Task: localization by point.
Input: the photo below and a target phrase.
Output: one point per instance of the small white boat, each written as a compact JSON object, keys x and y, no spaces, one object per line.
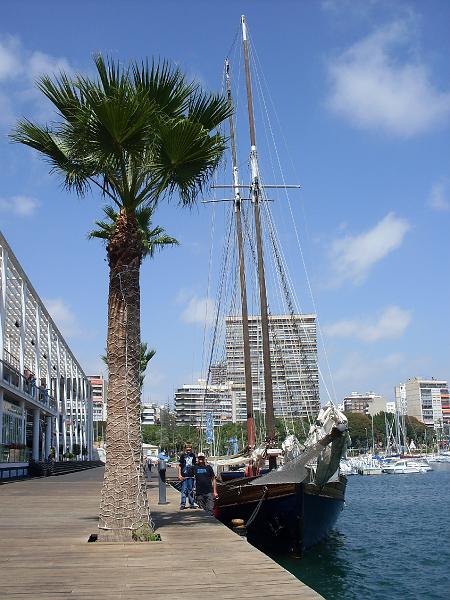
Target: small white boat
{"x":403,"y":467}
{"x":421,"y":463}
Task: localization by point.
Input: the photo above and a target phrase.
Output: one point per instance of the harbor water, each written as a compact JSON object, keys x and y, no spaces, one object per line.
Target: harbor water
{"x":391,"y":541}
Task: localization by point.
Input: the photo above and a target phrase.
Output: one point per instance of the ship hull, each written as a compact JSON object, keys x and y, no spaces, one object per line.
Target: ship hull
{"x":290,"y":518}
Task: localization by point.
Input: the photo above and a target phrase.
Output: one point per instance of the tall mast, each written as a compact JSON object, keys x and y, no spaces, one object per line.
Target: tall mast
{"x":244,"y":309}
{"x":255,"y":191}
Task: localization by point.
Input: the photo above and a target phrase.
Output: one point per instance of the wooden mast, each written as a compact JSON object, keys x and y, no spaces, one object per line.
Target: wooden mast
{"x":244,"y":310}
{"x":255,"y":191}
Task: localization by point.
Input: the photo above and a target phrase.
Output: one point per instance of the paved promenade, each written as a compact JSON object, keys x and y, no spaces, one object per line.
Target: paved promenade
{"x":44,"y":554}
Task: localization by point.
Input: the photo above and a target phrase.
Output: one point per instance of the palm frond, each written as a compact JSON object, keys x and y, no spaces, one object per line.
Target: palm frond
{"x":208,"y":109}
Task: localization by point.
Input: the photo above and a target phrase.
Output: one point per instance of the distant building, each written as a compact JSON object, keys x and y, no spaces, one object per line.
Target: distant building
{"x":218,"y":373}
{"x":99,"y":396}
{"x":148,"y":414}
{"x":99,"y":387}
{"x":428,"y":401}
{"x":295,"y":375}
{"x":400,"y":399}
{"x":369,"y":403}
{"x":194,"y":401}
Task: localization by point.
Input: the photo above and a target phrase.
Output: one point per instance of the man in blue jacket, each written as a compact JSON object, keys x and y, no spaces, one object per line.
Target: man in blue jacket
{"x":186,"y":476}
{"x":205,"y":484}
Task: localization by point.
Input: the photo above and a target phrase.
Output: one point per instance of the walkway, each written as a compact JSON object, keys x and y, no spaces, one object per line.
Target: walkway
{"x":44,"y":554}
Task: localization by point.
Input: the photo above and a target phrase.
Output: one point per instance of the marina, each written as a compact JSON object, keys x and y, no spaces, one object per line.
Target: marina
{"x":389,"y":542}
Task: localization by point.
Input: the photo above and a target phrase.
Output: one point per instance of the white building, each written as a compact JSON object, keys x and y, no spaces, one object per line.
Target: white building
{"x":148,"y":414}
{"x":99,"y":387}
{"x":194,"y":401}
{"x":368,"y":403}
{"x":295,"y":375}
{"x":428,"y":401}
{"x":400,"y":399}
{"x":45,"y":397}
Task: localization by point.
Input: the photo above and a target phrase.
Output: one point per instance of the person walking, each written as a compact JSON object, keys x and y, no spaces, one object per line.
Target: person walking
{"x":205,"y":484}
{"x":186,"y":476}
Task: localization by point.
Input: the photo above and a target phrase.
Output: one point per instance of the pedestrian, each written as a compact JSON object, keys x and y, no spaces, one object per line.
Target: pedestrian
{"x":205,"y":484}
{"x":186,"y":476}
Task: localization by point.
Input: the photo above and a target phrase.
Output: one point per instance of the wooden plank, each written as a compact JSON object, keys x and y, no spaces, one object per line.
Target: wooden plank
{"x":44,"y":554}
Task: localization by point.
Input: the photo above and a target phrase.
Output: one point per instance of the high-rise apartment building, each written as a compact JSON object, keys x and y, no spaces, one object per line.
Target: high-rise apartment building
{"x":295,"y":376}
{"x":428,"y":401}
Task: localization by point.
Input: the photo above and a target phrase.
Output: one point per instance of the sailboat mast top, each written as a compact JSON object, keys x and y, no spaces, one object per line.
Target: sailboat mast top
{"x":248,"y":80}
{"x":251,"y":435}
{"x":268,"y":386}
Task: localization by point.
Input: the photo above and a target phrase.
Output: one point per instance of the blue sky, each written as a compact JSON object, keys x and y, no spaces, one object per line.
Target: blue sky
{"x":362,"y":97}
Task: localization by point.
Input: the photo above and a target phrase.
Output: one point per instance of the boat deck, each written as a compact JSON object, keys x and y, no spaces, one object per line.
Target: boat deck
{"x":44,"y":554}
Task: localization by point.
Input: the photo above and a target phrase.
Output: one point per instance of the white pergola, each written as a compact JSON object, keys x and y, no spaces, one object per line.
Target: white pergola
{"x":38,"y":371}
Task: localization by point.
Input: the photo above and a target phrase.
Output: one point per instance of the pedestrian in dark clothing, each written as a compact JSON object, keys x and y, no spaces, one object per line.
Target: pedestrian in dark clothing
{"x":205,"y":484}
{"x":186,"y":476}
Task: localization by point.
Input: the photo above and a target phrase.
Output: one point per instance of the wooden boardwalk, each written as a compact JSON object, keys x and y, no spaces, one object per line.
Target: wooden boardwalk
{"x":44,"y":554}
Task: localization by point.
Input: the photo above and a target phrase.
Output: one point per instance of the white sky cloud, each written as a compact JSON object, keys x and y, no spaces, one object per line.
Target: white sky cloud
{"x":10,"y":63}
{"x":374,"y":89}
{"x":363,"y":373}
{"x":353,"y":256}
{"x":439,"y":198}
{"x":199,"y":310}
{"x":21,"y":206}
{"x":64,"y":317}
{"x":19,"y":69}
{"x":390,"y":324}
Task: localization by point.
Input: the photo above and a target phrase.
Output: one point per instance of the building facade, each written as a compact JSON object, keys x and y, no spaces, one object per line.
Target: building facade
{"x":368,"y":403}
{"x":45,"y":397}
{"x":99,"y":387}
{"x":400,"y":399}
{"x":428,"y":401}
{"x":194,"y":401}
{"x":295,"y":374}
{"x":148,"y":414}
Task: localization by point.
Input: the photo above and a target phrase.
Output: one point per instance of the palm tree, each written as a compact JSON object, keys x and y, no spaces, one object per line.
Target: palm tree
{"x":145,"y":356}
{"x":137,"y":134}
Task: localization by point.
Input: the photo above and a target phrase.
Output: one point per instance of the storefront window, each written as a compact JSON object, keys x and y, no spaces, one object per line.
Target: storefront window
{"x":12,"y":425}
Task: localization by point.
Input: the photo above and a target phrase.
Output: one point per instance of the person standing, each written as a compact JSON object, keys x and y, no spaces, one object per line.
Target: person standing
{"x":186,"y":476}
{"x":205,"y":484}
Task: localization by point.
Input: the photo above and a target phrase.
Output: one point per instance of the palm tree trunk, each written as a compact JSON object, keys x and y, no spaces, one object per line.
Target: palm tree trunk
{"x":124,"y":504}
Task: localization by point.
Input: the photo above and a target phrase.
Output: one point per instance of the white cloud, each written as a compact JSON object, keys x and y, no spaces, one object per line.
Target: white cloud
{"x":199,"y":310}
{"x":363,"y":373}
{"x":19,"y":69}
{"x":64,"y":317}
{"x":353,"y":256}
{"x":439,"y":198}
{"x":10,"y":63}
{"x":21,"y":206}
{"x":39,"y":64}
{"x":390,"y":324}
{"x":373,"y":89}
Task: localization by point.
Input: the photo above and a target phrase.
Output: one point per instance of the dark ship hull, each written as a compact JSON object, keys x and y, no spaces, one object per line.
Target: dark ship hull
{"x":283,"y":517}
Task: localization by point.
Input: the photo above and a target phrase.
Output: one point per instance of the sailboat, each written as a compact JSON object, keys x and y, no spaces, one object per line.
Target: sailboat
{"x":292,"y":507}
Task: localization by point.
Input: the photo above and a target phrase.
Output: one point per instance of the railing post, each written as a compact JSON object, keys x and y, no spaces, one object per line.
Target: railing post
{"x":162,"y":481}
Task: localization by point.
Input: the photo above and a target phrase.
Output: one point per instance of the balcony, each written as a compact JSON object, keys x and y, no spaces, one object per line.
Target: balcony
{"x":38,"y":395}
